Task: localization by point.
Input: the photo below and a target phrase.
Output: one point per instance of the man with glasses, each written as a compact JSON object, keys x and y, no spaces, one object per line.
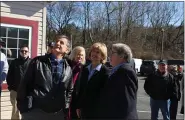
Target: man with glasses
{"x":15,"y":74}
{"x":119,"y":95}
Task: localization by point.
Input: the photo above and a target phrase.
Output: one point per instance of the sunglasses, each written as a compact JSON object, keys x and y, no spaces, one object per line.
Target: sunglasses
{"x":22,"y":51}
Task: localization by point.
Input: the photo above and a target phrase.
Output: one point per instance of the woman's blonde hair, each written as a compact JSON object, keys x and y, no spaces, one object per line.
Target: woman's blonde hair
{"x":102,"y":48}
{"x":75,"y":51}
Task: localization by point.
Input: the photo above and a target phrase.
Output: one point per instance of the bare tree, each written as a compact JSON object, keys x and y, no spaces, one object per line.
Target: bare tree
{"x":61,"y":15}
{"x":109,"y":10}
{"x":138,"y":24}
{"x":86,"y":8}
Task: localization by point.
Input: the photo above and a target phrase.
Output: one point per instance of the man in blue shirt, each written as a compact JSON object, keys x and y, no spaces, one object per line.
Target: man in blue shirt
{"x":46,"y":89}
{"x":119,"y":95}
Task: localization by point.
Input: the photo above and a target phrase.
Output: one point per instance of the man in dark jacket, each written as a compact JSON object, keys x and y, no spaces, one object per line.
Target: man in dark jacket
{"x":174,"y":100}
{"x":15,"y":74}
{"x":45,"y":91}
{"x":119,"y":95}
{"x":160,"y":86}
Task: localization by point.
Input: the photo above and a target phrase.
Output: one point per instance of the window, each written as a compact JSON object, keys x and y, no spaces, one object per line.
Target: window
{"x":15,"y":36}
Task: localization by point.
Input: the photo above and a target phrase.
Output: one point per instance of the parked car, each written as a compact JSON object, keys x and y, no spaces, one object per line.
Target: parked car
{"x":148,"y":66}
{"x":138,"y":63}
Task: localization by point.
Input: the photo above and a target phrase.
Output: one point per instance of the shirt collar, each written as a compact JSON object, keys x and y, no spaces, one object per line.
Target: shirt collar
{"x":98,"y":67}
{"x":116,"y":67}
{"x":53,"y":57}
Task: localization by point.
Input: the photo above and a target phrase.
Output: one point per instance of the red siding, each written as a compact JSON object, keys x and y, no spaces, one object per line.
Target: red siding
{"x":34,"y":36}
{"x":23,"y":22}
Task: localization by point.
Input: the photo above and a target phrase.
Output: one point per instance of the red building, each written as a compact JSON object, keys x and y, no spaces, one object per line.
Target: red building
{"x":23,"y":23}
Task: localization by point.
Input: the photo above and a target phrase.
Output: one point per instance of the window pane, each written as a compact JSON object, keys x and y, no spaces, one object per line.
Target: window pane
{"x":23,"y":42}
{"x":14,"y":53}
{"x":24,"y":33}
{"x":12,"y":43}
{"x":3,"y":31}
{"x":4,"y":39}
{"x":12,"y":32}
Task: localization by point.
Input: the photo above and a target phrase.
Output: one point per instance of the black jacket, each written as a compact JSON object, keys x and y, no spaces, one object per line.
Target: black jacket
{"x":160,"y":87}
{"x":119,"y":96}
{"x":177,"y":78}
{"x":45,"y":94}
{"x":16,"y":72}
{"x":89,"y":91}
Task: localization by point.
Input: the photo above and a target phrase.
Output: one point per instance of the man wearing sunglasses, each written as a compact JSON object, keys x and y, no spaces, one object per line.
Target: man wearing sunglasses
{"x":160,"y":86}
{"x":15,"y":74}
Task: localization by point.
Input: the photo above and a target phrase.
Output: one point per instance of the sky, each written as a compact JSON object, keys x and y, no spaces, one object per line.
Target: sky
{"x":179,"y":14}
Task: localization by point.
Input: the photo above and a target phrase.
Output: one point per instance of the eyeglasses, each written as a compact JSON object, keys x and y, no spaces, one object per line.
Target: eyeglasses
{"x":22,"y":51}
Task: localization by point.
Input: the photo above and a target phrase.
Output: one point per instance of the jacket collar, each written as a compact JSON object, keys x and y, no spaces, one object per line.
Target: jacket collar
{"x":98,"y":67}
{"x":124,"y":65}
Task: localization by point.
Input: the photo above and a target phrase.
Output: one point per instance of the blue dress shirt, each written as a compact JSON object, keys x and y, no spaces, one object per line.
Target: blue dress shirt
{"x":91,"y":71}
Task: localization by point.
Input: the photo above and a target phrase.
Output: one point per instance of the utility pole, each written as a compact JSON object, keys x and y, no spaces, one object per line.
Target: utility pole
{"x":162,"y":42}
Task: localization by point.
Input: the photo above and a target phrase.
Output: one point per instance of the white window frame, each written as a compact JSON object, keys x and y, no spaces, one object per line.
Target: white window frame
{"x":20,"y":26}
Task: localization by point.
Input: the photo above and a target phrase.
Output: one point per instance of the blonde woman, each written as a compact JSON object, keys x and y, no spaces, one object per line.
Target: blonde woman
{"x":77,"y":60}
{"x":92,"y":79}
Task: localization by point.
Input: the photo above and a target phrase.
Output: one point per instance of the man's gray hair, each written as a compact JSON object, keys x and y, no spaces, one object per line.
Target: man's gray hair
{"x":123,"y":51}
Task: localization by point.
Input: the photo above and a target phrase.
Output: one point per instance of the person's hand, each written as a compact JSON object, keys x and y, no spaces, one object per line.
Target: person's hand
{"x":78,"y":112}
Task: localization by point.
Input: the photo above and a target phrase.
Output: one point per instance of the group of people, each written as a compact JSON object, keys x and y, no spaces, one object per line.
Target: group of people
{"x":60,"y":86}
{"x":163,"y":87}
{"x":63,"y":86}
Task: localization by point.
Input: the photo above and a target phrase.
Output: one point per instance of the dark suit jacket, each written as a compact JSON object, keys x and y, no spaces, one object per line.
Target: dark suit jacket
{"x":119,"y":97}
{"x":89,"y":91}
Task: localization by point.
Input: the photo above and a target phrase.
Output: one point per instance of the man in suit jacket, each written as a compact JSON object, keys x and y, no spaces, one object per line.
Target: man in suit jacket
{"x":119,"y":95}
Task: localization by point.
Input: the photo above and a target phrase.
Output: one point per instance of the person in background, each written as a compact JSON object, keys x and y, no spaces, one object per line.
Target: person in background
{"x":182,"y":89}
{"x":50,"y":47}
{"x":3,"y":50}
{"x":3,"y":69}
{"x":77,"y":58}
{"x":179,"y":69}
{"x":91,"y":81}
{"x":15,"y":73}
{"x":161,"y":87}
{"x":45,"y":91}
{"x":174,"y":100}
{"x":119,"y":95}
